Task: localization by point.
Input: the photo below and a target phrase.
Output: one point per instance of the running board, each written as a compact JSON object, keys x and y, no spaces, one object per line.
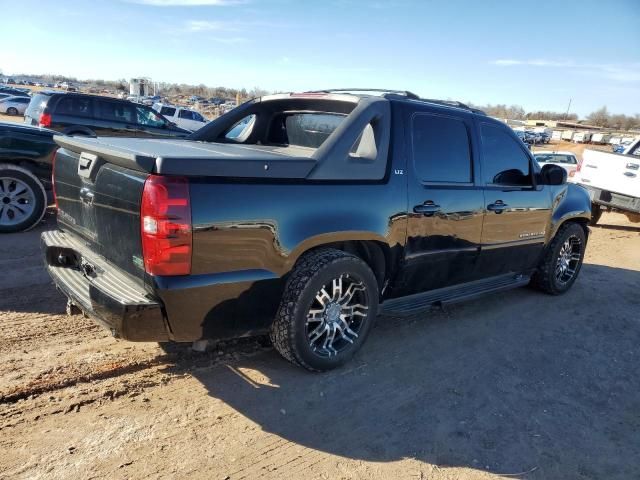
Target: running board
{"x":453,"y":294}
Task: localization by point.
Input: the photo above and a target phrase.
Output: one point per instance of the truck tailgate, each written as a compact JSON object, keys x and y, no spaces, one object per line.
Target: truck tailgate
{"x":99,"y":202}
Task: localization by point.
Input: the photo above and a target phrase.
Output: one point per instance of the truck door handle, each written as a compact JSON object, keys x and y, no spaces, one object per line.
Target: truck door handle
{"x":427,"y":209}
{"x":498,"y":206}
{"x":86,"y":196}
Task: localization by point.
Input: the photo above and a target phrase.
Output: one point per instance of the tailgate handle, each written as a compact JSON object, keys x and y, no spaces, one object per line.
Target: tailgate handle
{"x":88,"y":165}
{"x":86,"y":196}
{"x":632,"y":166}
{"x":629,"y":174}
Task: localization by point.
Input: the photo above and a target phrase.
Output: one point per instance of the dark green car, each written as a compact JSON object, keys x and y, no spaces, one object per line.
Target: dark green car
{"x":26,"y":158}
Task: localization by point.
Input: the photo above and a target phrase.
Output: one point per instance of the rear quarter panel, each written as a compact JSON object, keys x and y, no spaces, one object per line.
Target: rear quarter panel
{"x":268,"y":226}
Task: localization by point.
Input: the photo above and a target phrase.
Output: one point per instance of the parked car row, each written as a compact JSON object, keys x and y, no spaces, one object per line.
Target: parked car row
{"x":532,"y":137}
{"x":585,"y":136}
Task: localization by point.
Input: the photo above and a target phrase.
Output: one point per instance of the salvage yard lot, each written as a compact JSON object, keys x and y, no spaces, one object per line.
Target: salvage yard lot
{"x":516,"y":383}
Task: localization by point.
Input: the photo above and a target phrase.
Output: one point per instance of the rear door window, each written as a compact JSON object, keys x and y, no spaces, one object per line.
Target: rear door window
{"x":186,"y":114}
{"x":504,"y":160}
{"x":74,"y":106}
{"x":116,"y":111}
{"x":441,"y":151}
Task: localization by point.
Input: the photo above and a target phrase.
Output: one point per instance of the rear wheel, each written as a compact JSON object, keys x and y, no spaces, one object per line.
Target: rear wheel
{"x":562,"y":261}
{"x":327,"y":310}
{"x":23,"y":199}
{"x":12,"y":111}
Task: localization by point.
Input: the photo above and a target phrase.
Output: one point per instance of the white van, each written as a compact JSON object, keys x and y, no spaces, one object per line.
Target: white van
{"x":581,"y":137}
{"x":182,"y":117}
{"x":567,"y":135}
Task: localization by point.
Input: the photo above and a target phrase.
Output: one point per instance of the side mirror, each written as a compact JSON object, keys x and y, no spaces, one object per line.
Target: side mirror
{"x":553,"y":175}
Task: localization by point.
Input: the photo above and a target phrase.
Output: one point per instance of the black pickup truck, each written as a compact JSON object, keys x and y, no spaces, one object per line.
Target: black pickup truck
{"x":26,"y":155}
{"x":301,"y":215}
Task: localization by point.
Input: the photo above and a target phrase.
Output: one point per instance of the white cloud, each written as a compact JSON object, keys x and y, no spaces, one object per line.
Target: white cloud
{"x":189,"y":3}
{"x":619,"y":72}
{"x":206,"y":26}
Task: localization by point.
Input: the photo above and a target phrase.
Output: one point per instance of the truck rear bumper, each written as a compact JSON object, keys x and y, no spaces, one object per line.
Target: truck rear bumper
{"x":613,"y":200}
{"x":105,"y":295}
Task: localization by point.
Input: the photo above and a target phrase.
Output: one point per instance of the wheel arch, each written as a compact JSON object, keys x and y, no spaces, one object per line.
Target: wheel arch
{"x":79,"y":129}
{"x":572,"y":205}
{"x":378,"y":255}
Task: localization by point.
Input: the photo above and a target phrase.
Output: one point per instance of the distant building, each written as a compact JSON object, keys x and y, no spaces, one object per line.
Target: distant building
{"x":512,"y":122}
{"x":561,"y":124}
{"x":140,"y":87}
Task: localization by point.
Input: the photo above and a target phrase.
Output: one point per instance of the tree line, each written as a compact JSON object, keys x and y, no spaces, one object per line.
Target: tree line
{"x":599,"y":118}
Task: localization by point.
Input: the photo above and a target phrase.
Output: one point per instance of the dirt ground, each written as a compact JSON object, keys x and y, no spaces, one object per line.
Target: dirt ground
{"x":519,"y":385}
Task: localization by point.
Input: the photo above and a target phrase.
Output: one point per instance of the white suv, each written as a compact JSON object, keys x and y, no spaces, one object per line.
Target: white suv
{"x":183,"y":117}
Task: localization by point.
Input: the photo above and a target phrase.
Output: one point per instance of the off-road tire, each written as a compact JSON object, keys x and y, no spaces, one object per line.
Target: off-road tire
{"x":596,"y":213}
{"x":544,"y":278}
{"x":24,"y":175}
{"x":311,"y":272}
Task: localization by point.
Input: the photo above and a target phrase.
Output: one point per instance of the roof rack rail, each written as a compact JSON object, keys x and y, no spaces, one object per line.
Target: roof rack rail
{"x":406,"y":93}
{"x":454,"y":103}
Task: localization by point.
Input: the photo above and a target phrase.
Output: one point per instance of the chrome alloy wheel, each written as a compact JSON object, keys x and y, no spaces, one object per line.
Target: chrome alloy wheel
{"x":17,"y":201}
{"x":336,"y":315}
{"x":568,"y":259}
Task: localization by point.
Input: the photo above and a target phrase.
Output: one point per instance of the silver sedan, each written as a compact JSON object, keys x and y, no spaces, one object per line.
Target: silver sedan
{"x":14,"y":105}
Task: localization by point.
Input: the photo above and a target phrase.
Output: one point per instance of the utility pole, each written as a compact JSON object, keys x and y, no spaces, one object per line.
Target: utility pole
{"x":566,"y":115}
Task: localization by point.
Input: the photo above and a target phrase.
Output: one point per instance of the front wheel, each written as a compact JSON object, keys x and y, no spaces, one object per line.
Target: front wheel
{"x":329,"y":305}
{"x":562,"y":261}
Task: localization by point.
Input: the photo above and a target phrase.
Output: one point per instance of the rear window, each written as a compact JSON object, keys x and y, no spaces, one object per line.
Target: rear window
{"x":168,"y":111}
{"x":75,"y":106}
{"x":303,"y":129}
{"x":37,"y":105}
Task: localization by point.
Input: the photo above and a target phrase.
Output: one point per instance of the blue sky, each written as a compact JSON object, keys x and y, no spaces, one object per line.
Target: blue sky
{"x":537,"y":54}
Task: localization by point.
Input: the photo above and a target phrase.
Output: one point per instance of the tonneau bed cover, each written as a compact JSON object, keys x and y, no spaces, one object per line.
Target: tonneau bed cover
{"x":195,"y":158}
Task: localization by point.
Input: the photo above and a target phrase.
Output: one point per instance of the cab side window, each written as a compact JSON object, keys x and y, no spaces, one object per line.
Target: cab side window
{"x":504,"y":160}
{"x":441,"y":152}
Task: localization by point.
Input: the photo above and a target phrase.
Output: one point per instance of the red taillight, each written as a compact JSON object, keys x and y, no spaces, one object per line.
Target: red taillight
{"x":45,"y":120}
{"x":579,"y":167}
{"x":53,"y":178}
{"x":166,"y":226}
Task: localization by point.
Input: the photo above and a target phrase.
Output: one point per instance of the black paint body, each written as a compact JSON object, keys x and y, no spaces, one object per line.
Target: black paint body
{"x":248,"y":233}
